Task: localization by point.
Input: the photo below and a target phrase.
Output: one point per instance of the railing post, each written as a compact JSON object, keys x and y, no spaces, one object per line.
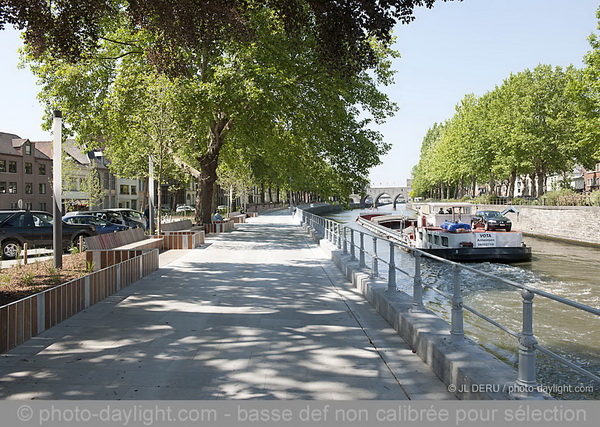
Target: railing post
{"x":392,"y":269}
{"x":352,"y":255}
{"x":526,"y":380}
{"x":345,"y":241}
{"x":361,"y":260}
{"x":457,"y":329}
{"x":375,"y":266}
{"x":338,"y":228}
{"x":417,"y":303}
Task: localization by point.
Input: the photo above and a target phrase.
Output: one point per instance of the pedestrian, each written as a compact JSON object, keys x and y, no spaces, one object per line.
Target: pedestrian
{"x":217,"y":216}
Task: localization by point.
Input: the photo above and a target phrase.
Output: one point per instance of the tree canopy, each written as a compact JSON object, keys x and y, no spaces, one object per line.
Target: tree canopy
{"x":342,"y":30}
{"x":271,"y":105}
{"x":526,"y":126}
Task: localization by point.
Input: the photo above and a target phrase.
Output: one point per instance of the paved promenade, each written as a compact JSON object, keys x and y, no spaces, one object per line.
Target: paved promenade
{"x":259,"y":313}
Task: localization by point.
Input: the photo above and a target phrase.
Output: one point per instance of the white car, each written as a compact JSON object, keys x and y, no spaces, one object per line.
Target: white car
{"x":185,"y":208}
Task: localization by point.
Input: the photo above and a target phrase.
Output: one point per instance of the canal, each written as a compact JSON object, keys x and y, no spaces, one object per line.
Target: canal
{"x":566,"y":270}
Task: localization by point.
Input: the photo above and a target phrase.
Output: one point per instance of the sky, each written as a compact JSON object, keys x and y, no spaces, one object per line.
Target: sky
{"x":449,"y":51}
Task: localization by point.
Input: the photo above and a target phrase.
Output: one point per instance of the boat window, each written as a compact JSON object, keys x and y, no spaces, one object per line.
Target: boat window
{"x":420,"y":235}
{"x":436,"y":240}
{"x":444,"y":241}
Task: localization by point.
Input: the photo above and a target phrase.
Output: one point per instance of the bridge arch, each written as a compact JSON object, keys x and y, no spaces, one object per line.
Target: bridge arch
{"x":396,"y":194}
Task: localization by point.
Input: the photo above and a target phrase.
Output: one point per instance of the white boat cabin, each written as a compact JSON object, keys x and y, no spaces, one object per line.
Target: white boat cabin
{"x":435,"y":214}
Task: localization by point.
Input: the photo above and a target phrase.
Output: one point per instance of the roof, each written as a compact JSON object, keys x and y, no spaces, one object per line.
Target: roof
{"x":69,"y":147}
{"x":11,"y":144}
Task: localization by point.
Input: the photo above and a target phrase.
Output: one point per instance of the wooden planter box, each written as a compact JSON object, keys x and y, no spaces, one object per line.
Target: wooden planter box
{"x":28,"y":317}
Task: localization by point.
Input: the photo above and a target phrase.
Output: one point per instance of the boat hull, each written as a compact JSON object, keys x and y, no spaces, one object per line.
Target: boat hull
{"x":497,"y":254}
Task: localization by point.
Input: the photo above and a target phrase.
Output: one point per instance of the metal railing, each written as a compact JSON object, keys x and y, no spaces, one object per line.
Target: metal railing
{"x":344,"y":238}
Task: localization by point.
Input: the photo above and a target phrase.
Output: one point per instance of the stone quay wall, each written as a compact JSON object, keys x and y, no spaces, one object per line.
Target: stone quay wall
{"x":576,"y":224}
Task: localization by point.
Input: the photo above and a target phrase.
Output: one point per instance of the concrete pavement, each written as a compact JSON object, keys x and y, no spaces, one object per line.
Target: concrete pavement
{"x":259,"y":313}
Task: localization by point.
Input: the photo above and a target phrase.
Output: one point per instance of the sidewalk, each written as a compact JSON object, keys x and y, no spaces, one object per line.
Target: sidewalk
{"x":258,"y":313}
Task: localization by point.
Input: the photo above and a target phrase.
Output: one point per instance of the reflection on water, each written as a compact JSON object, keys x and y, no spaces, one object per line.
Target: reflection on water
{"x":569,"y":271}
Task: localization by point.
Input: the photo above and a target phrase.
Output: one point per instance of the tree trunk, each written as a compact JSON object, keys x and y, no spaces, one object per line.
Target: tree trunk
{"x":541,"y":181}
{"x":511,"y":184}
{"x":207,"y":175}
{"x":492,"y":185}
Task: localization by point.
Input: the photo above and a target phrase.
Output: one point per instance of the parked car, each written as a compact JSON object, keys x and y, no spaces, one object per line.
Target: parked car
{"x":132,"y":218}
{"x":184,"y":209}
{"x":102,"y":226}
{"x":490,"y":220}
{"x":112,"y":217}
{"x":36,"y":229}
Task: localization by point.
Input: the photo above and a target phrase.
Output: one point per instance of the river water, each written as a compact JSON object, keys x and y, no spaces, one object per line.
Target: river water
{"x":566,"y":270}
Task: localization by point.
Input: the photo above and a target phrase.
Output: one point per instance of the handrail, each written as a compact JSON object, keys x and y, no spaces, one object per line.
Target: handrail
{"x":338,"y":235}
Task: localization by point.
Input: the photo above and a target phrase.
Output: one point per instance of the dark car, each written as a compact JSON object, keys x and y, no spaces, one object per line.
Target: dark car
{"x":105,"y":214}
{"x":35,"y":228}
{"x":133,"y":218}
{"x":102,"y":226}
{"x":490,"y":220}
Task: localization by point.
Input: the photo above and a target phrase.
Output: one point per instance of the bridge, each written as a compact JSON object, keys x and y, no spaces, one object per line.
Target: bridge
{"x":396,"y":194}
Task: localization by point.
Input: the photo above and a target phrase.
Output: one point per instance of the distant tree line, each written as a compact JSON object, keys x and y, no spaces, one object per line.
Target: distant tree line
{"x":537,"y":123}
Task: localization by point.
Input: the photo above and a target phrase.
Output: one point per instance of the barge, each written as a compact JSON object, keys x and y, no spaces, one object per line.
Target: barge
{"x":445,"y":230}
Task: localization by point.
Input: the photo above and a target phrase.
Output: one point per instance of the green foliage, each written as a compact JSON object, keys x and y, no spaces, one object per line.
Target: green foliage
{"x":28,"y":278}
{"x":564,"y":197}
{"x":526,"y":126}
{"x":264,"y":112}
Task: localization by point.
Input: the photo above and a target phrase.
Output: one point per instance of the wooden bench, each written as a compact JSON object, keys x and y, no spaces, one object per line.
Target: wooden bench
{"x":219,"y":226}
{"x":182,"y":235}
{"x":133,"y":238}
{"x":237,"y":217}
{"x":108,"y":249}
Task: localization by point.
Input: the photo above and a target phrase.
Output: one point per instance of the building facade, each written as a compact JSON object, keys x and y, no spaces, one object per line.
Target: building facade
{"x":25,"y":174}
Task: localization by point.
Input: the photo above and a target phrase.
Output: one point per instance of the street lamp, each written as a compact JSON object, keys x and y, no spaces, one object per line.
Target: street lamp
{"x":57,"y":189}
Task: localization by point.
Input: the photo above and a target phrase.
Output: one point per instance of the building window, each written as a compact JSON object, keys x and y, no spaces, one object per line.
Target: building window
{"x":13,"y":205}
{"x":12,"y":188}
{"x":106,"y":181}
{"x":42,"y":188}
{"x":3,"y":187}
{"x":28,"y":188}
{"x":29,"y":206}
{"x":42,"y":169}
{"x":2,"y":165}
{"x":28,"y":149}
{"x":112,"y":182}
{"x":12,"y":167}
{"x":43,"y":206}
{"x":133,"y":190}
{"x":124,"y":189}
{"x":28,"y":168}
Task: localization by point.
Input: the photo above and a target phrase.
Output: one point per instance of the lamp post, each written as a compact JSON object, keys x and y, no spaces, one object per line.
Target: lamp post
{"x":57,"y":189}
{"x":291,"y":202}
{"x":151,"y":193}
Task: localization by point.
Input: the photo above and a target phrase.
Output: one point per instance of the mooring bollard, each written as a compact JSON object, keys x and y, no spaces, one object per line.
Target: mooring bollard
{"x":392,"y":269}
{"x":527,"y":342}
{"x":417,"y":304}
{"x":457,"y":329}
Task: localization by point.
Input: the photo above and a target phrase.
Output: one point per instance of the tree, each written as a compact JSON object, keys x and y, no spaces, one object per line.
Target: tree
{"x":270,"y":95}
{"x":342,"y":30}
{"x":588,"y":95}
